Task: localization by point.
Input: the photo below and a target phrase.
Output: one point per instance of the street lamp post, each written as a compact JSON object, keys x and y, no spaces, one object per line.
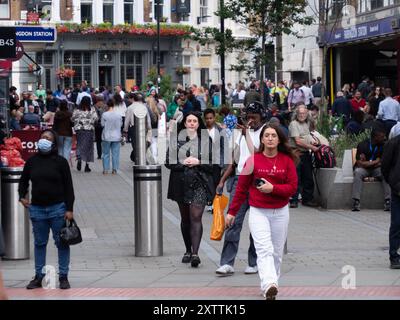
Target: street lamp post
{"x":222,"y":57}
{"x":158,"y":13}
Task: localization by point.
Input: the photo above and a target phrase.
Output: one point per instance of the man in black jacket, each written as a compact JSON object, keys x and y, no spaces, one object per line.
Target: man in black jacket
{"x":391,"y":172}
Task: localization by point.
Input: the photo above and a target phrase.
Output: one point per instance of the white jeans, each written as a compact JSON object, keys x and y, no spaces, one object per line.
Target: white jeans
{"x":269,"y":228}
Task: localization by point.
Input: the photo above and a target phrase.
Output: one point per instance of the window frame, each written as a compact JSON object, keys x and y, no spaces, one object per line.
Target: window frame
{"x":87,"y":3}
{"x":108,"y":4}
{"x":9,"y":10}
{"x":131,"y":4}
{"x":204,"y":4}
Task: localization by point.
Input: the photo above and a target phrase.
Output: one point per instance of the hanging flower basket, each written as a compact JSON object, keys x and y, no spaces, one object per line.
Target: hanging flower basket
{"x":65,"y":73}
{"x":182,"y":70}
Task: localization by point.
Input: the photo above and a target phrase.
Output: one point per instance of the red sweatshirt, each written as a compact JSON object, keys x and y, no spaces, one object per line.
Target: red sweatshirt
{"x":356,"y":105}
{"x":283,"y":178}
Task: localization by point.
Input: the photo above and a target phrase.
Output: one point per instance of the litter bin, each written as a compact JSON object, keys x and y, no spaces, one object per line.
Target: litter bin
{"x":14,"y":216}
{"x":148,"y":211}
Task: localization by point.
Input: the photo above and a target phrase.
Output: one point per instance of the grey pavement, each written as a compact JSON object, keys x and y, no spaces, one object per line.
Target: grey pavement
{"x":320,"y":244}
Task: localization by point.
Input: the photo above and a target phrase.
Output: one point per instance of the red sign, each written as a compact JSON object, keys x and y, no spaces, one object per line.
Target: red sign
{"x":29,"y":140}
{"x":32,"y":18}
{"x":5,"y":67}
{"x":19,"y":48}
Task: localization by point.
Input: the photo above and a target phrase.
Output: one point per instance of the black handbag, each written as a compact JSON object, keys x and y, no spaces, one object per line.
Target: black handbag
{"x":70,"y":234}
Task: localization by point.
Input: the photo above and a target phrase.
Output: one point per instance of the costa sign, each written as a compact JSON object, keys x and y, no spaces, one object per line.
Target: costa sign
{"x":29,"y":140}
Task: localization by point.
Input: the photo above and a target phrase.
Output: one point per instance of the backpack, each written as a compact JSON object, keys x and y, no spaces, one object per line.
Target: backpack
{"x":324,"y":157}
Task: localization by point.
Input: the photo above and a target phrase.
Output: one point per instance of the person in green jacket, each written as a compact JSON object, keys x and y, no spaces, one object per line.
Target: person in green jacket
{"x":172,"y":107}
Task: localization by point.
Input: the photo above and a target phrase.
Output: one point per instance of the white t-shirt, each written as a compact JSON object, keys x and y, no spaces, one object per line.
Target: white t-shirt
{"x":211,"y":133}
{"x":308,"y":94}
{"x":244,"y":150}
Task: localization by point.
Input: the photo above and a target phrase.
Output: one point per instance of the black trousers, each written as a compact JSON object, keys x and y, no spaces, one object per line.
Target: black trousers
{"x":97,"y":132}
{"x":305,"y":185}
{"x":394,"y":232}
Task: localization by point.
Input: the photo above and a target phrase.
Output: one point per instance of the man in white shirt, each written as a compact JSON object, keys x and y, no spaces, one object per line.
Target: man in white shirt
{"x":389,"y":111}
{"x":129,"y":128}
{"x":309,"y":97}
{"x":118,"y":90}
{"x":248,"y":142}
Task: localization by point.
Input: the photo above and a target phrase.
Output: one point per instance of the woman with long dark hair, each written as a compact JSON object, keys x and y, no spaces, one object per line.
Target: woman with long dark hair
{"x":84,"y":120}
{"x":52,"y":203}
{"x":191,"y":182}
{"x":63,"y":127}
{"x":270,"y":179}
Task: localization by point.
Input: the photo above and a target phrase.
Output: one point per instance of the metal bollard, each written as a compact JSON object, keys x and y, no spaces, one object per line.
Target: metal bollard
{"x":14,"y":216}
{"x":147,"y":194}
{"x":148,"y":211}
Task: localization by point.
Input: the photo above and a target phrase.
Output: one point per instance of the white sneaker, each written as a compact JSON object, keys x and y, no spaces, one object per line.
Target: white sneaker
{"x":250,"y":270}
{"x":226,"y":269}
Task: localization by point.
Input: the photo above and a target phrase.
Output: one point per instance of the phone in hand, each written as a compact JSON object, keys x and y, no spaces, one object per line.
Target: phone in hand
{"x":259,"y":182}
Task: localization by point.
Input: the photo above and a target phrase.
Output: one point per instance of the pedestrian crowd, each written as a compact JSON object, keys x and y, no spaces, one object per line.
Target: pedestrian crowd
{"x":259,"y":145}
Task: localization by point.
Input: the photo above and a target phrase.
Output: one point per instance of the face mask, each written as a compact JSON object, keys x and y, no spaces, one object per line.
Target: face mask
{"x":45,"y":145}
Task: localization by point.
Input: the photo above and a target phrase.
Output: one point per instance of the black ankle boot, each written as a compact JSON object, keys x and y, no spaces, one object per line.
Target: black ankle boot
{"x":195,"y":261}
{"x":64,"y":283}
{"x":79,"y":165}
{"x":87,"y":169}
{"x":35,"y":283}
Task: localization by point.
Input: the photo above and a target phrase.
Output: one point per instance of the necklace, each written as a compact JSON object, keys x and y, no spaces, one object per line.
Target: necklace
{"x":274,"y":165}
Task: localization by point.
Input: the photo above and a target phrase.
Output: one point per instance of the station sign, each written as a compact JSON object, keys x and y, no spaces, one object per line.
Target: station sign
{"x":36,"y":34}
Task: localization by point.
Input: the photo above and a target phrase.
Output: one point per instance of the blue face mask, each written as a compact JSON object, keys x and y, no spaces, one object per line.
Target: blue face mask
{"x":45,"y":145}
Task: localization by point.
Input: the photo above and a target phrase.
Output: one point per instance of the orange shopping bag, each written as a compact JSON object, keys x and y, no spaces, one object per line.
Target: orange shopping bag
{"x":218,"y":225}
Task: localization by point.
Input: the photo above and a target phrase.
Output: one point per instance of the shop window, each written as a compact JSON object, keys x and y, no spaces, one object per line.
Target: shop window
{"x":132,"y":66}
{"x":81,"y":63}
{"x":4,"y":9}
{"x":128,"y":11}
{"x":48,"y":58}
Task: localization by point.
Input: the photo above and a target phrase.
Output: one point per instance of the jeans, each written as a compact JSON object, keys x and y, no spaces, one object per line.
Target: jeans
{"x":43,"y":219}
{"x":306,"y":181}
{"x":269,"y":229}
{"x":232,"y":235}
{"x":394,"y":232}
{"x":65,"y":146}
{"x":114,"y":146}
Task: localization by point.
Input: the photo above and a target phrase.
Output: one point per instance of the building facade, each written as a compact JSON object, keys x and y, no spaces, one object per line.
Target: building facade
{"x":102,"y":57}
{"x":365,"y":41}
{"x":356,"y":38}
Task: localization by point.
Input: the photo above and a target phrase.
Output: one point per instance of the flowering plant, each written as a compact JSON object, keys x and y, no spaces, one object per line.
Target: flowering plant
{"x":63,"y":72}
{"x":132,"y":29}
{"x":182,"y":70}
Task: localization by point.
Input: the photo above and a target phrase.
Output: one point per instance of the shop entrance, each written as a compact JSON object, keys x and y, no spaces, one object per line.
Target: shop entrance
{"x":376,"y":59}
{"x":105,"y":76}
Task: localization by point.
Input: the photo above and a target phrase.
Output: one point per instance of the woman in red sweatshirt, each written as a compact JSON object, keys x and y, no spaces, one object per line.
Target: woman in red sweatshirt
{"x":270,"y":178}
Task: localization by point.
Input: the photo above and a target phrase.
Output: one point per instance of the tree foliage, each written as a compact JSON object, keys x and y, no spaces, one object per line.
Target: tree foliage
{"x":265,"y":19}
